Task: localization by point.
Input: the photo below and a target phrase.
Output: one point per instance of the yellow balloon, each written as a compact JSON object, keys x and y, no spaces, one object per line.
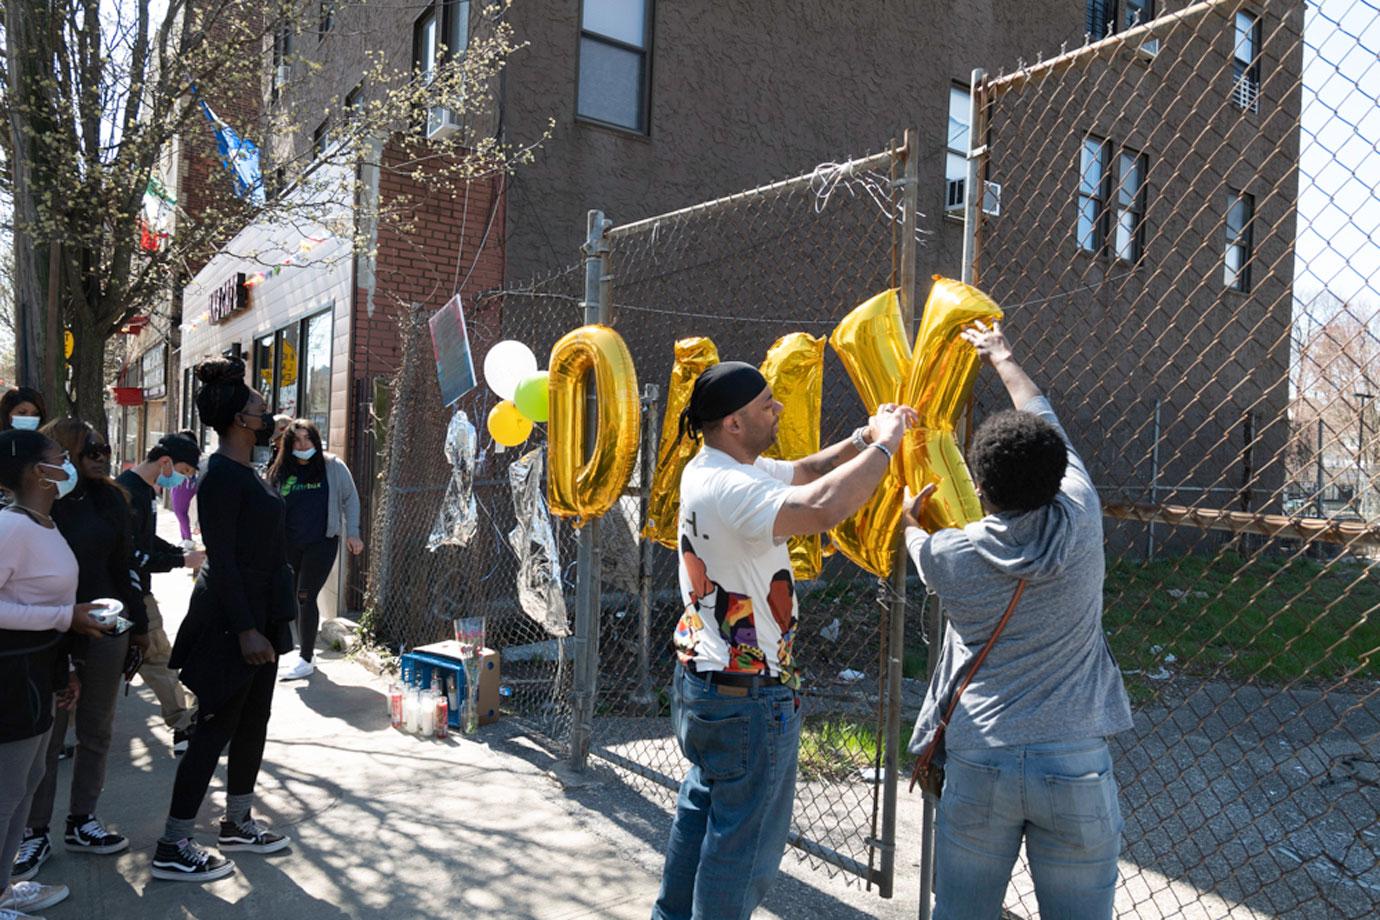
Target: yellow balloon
{"x":507,"y":425}
{"x":794,"y":368}
{"x":872,"y":344}
{"x":693,"y":357}
{"x":586,"y":488}
{"x":938,"y":386}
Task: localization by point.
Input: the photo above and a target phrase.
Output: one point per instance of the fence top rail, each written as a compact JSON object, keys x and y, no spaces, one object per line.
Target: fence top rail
{"x":872,"y":161}
{"x":1352,"y":534}
{"x":1111,"y":42}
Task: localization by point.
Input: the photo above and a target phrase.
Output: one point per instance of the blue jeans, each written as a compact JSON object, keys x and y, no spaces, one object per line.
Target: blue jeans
{"x":1062,"y":797}
{"x":734,"y":809}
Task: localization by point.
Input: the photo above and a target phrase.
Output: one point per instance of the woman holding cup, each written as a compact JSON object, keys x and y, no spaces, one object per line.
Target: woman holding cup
{"x":38,"y":610}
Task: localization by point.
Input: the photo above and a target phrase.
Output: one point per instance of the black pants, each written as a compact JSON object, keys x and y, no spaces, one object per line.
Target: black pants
{"x":312,"y":563}
{"x":241,"y":722}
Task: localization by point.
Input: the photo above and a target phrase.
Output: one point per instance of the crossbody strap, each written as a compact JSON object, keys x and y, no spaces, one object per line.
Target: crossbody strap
{"x":928,"y":755}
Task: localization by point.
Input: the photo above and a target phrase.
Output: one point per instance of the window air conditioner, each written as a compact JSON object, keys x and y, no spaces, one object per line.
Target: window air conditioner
{"x":282,"y":74}
{"x":1149,"y":49}
{"x":441,"y":122}
{"x":991,"y":199}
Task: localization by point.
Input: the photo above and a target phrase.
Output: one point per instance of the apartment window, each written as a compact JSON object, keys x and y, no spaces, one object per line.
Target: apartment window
{"x":1094,"y":185}
{"x":1130,"y":206}
{"x":1246,"y":63}
{"x":1240,"y":216}
{"x":615,"y":42}
{"x":956,"y":148}
{"x":354,"y":104}
{"x":1108,"y":16}
{"x":282,"y":60}
{"x":426,"y":38}
{"x":444,"y":27}
{"x":325,"y":18}
{"x":321,"y":139}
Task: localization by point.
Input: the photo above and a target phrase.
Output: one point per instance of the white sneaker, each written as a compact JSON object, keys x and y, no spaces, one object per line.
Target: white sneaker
{"x":24,"y":896}
{"x":7,"y":914}
{"x":302,"y":669}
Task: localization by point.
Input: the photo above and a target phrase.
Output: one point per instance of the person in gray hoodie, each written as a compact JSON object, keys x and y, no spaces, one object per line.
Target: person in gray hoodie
{"x":1027,"y":755}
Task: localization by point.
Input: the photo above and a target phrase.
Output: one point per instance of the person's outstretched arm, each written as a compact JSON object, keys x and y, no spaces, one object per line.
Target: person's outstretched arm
{"x":991,"y":344}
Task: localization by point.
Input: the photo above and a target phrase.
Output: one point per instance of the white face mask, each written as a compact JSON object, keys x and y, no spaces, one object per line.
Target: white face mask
{"x":305,"y":454}
{"x":24,"y":422}
{"x":64,"y":486}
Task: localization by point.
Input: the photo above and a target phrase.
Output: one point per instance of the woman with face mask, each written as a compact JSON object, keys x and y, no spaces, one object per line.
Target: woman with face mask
{"x":182,"y":496}
{"x":321,"y":500}
{"x":38,"y":611}
{"x":23,"y":409}
{"x":93,"y":517}
{"x":169,"y":463}
{"x":238,"y":623}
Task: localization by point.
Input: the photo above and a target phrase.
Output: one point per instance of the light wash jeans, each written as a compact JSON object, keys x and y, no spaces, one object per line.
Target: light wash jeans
{"x":1061,"y":797}
{"x":734,"y":809}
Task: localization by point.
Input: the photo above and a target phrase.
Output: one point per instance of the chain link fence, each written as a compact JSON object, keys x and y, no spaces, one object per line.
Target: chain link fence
{"x":1181,"y":225}
{"x":1186,"y":251}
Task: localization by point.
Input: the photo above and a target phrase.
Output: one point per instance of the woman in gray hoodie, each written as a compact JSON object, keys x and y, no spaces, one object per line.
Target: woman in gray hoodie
{"x":1027,"y":755}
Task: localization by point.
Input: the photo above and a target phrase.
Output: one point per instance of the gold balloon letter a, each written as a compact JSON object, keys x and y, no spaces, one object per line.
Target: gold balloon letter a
{"x":940,"y":382}
{"x":795,"y":370}
{"x":694,"y":356}
{"x":871,"y":342}
{"x":587,"y":488}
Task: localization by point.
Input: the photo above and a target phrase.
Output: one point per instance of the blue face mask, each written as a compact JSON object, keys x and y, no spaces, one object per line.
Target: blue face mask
{"x":64,"y":486}
{"x":305,"y":454}
{"x":24,"y":422}
{"x":172,"y":480}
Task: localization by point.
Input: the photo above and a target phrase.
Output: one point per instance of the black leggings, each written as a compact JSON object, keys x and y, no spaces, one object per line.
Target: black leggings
{"x":242,"y":722}
{"x":312,"y":562}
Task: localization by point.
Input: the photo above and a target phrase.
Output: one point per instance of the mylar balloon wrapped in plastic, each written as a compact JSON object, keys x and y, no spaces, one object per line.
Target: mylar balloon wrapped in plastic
{"x":458,"y":519}
{"x":534,"y":542}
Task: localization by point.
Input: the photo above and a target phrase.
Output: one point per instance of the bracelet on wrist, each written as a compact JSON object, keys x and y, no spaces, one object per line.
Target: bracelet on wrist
{"x":883,"y":448}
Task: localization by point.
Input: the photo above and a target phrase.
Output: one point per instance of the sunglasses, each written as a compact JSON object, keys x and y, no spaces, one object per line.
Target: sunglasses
{"x":96,"y":452}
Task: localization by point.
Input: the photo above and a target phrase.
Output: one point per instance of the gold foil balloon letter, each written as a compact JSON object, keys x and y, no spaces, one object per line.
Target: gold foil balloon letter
{"x":871,"y":342}
{"x":940,"y":382}
{"x":794,"y":369}
{"x":693,"y":357}
{"x":586,"y":488}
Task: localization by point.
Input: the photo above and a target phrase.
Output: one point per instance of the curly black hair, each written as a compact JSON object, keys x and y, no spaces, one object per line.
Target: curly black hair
{"x":223,"y":392}
{"x":1018,"y":461}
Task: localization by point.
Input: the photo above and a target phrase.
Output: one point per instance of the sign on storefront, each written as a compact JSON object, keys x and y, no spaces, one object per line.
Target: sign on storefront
{"x":228,"y":299}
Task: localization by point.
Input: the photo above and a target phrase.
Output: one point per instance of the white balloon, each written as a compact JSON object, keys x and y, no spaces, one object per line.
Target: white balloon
{"x":506,"y":364}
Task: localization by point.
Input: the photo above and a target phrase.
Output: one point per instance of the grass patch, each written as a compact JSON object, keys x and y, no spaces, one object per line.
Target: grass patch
{"x":836,"y":748}
{"x":1264,"y":619}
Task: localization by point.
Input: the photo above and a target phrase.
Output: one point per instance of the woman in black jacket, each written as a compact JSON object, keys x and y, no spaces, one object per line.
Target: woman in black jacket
{"x":94,"y":520}
{"x":238,"y":623}
{"x":38,"y":609}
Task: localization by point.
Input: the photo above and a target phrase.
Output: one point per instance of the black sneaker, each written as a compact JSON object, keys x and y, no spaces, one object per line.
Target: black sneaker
{"x":186,"y":861}
{"x":251,"y":836}
{"x":34,"y":850}
{"x":67,"y":751}
{"x":86,"y":834}
{"x":180,"y":739}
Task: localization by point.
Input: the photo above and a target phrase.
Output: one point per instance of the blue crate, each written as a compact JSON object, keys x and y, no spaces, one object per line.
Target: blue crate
{"x":418,"y":668}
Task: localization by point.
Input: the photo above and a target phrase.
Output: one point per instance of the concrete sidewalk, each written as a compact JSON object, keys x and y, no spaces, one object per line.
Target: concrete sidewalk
{"x":387,"y":825}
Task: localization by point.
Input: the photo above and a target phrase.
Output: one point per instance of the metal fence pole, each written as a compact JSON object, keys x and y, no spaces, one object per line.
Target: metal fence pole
{"x":588,"y":561}
{"x":1154,"y":486}
{"x":651,"y":411}
{"x":896,"y":619}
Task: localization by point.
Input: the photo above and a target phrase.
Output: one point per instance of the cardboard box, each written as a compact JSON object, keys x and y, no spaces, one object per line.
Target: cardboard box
{"x":446,"y":656}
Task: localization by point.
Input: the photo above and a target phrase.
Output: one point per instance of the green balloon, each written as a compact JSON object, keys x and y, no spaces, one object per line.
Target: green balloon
{"x":532,"y":396}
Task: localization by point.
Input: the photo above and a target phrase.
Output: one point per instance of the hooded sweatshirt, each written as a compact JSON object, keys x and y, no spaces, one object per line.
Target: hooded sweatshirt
{"x":1051,"y":675}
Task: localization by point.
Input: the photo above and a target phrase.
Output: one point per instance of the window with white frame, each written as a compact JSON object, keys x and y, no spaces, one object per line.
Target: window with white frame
{"x":439,"y":35}
{"x":956,"y":147}
{"x":282,"y":60}
{"x":1129,"y":219}
{"x":615,"y":46}
{"x":1236,"y":274}
{"x":1245,"y":90}
{"x":1094,"y":184}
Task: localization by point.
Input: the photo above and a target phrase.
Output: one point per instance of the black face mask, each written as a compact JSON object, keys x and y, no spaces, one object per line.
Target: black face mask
{"x":263,"y":435}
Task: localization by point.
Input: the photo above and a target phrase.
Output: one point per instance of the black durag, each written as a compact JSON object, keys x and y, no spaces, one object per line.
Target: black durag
{"x":718,"y":393}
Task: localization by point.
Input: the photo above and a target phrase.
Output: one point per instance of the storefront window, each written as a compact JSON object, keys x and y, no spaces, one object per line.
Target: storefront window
{"x":263,"y":367}
{"x":286,"y":400}
{"x":316,"y":371}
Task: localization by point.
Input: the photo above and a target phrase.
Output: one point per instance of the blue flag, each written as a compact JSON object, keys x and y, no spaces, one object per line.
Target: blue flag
{"x":240,"y":155}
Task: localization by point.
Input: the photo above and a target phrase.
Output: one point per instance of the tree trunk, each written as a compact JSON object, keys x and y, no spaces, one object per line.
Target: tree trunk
{"x":88,"y":373}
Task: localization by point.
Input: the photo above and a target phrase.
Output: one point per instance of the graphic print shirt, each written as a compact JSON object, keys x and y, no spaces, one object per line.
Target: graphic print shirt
{"x":735,"y":577}
{"x":308,"y":508}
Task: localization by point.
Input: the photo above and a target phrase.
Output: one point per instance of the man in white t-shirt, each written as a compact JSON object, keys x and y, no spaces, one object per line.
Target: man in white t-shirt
{"x":735,"y":703}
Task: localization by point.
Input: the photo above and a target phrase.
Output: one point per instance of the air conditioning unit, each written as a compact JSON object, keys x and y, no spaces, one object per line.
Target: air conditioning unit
{"x":282,"y":75}
{"x":991,"y":199}
{"x":1149,"y":49}
{"x":441,"y":122}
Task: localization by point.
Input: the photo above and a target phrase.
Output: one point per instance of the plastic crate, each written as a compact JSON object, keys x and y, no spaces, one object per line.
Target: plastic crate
{"x":418,"y":667}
